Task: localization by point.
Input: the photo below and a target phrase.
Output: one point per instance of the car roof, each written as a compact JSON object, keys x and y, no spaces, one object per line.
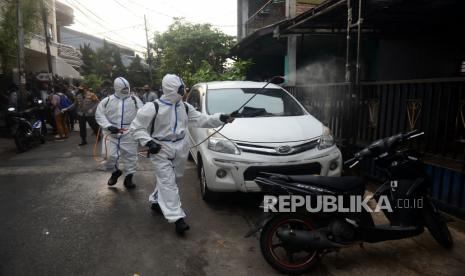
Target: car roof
{"x":239,"y":84}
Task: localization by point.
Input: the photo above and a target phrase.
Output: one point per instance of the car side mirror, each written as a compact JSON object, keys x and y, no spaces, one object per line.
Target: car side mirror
{"x":277,"y":80}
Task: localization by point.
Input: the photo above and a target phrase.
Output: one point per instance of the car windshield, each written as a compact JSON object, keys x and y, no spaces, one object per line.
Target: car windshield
{"x":269,"y":102}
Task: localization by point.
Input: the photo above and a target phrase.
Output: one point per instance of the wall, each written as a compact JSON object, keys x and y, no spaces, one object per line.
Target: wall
{"x":416,"y":59}
{"x":76,"y":39}
{"x":320,"y":59}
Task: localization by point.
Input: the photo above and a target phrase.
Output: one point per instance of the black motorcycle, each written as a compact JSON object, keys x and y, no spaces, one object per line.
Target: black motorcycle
{"x":26,"y":126}
{"x":292,"y":242}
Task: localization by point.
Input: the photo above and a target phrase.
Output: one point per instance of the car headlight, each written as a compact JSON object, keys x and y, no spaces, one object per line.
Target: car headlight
{"x":220,"y":144}
{"x":326,"y":139}
{"x":11,"y":109}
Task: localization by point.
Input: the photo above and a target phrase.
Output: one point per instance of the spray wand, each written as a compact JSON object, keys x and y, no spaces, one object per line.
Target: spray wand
{"x":234,"y":114}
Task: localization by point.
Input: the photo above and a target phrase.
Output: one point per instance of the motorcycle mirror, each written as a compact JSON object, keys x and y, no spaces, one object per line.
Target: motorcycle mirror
{"x":11,"y":109}
{"x":277,"y":80}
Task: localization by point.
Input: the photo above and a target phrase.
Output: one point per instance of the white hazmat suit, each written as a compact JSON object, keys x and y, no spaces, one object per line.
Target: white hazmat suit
{"x":119,"y":110}
{"x":169,"y":131}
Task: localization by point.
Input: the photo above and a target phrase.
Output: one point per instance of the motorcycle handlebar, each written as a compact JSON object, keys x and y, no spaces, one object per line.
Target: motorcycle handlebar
{"x":387,"y":143}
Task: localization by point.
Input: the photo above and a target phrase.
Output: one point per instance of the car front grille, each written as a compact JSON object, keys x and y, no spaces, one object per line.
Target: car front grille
{"x":302,"y":169}
{"x":278,"y":151}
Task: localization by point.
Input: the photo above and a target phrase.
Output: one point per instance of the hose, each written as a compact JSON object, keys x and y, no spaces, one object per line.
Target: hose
{"x":94,"y":150}
{"x":209,"y":136}
{"x":235,"y":112}
{"x":105,"y":138}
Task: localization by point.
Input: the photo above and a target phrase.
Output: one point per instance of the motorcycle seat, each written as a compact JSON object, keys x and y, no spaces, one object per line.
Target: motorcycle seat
{"x":346,"y":184}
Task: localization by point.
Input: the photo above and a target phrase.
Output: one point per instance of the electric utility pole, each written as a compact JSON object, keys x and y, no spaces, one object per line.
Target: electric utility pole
{"x":149,"y":57}
{"x":20,"y":57}
{"x":47,"y":40}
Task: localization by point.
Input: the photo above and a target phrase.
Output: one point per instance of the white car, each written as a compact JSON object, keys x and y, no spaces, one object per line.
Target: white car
{"x":274,"y":133}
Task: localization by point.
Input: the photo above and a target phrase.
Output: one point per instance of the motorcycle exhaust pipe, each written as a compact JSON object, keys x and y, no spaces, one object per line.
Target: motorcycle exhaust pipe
{"x":301,"y":238}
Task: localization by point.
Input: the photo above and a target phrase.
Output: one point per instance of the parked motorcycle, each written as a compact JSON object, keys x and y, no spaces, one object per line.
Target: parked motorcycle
{"x":293,"y":242}
{"x":26,"y":126}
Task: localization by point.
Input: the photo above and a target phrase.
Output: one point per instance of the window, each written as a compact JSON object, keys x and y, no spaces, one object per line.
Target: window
{"x":269,"y":102}
{"x":50,"y":31}
{"x":194,"y":98}
{"x":462,"y":69}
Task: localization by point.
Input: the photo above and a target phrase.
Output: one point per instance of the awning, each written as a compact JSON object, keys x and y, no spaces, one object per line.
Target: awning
{"x":329,"y":15}
{"x":246,"y":44}
{"x":379,"y":16}
{"x":63,"y":69}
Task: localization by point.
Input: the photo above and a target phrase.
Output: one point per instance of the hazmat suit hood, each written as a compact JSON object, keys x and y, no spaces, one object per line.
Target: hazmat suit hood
{"x":122,"y":88}
{"x":170,"y":85}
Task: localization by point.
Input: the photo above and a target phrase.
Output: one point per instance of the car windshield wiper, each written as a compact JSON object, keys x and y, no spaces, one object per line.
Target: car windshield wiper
{"x":252,"y":112}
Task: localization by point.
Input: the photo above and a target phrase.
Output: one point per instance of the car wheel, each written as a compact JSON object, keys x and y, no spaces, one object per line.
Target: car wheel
{"x":207,"y":195}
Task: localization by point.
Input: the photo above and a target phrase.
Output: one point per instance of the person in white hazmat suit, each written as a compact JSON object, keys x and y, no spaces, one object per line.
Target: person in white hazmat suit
{"x":162,"y":126}
{"x":114,"y":115}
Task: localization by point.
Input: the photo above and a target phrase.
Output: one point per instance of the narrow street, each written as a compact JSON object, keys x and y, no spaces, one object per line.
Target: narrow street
{"x":58,"y":217}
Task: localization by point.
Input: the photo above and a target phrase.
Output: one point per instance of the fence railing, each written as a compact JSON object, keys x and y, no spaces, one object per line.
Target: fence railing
{"x":70,"y":54}
{"x":360,"y":114}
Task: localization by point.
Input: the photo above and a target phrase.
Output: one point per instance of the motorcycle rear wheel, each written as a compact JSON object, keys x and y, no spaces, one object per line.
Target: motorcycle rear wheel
{"x":21,"y":140}
{"x":270,"y":243}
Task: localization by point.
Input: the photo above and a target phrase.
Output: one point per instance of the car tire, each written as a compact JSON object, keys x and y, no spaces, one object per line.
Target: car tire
{"x":207,"y":194}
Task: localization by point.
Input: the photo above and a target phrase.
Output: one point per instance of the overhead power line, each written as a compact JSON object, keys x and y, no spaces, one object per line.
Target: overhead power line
{"x":105,"y":32}
{"x":77,"y":6}
{"x":172,"y":16}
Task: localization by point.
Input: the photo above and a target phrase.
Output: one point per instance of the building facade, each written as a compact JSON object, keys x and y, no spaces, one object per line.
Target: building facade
{"x":78,"y":39}
{"x":66,"y":60}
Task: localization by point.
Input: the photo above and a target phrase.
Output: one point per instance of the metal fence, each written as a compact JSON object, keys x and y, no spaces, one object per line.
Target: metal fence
{"x":360,"y":114}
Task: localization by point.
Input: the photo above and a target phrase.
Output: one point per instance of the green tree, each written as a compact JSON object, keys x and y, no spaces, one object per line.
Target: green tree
{"x":186,"y":48}
{"x":8,"y":30}
{"x":236,"y":70}
{"x":137,"y":75}
{"x":92,"y":81}
{"x":88,"y":59}
{"x":107,"y":62}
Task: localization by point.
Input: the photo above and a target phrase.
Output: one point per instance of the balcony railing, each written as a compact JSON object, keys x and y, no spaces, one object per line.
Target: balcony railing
{"x":70,"y":54}
{"x":272,"y":12}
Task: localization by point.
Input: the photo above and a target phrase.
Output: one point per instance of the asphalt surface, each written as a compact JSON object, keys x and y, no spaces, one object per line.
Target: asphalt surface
{"x":58,"y":217}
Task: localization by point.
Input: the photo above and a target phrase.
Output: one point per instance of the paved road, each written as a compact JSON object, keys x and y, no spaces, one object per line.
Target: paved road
{"x":58,"y":217}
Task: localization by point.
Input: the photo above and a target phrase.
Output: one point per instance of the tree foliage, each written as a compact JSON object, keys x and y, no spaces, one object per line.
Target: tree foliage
{"x":8,"y":29}
{"x":197,"y":52}
{"x":137,"y":74}
{"x":93,"y":81}
{"x":88,"y":59}
{"x":234,"y":71}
